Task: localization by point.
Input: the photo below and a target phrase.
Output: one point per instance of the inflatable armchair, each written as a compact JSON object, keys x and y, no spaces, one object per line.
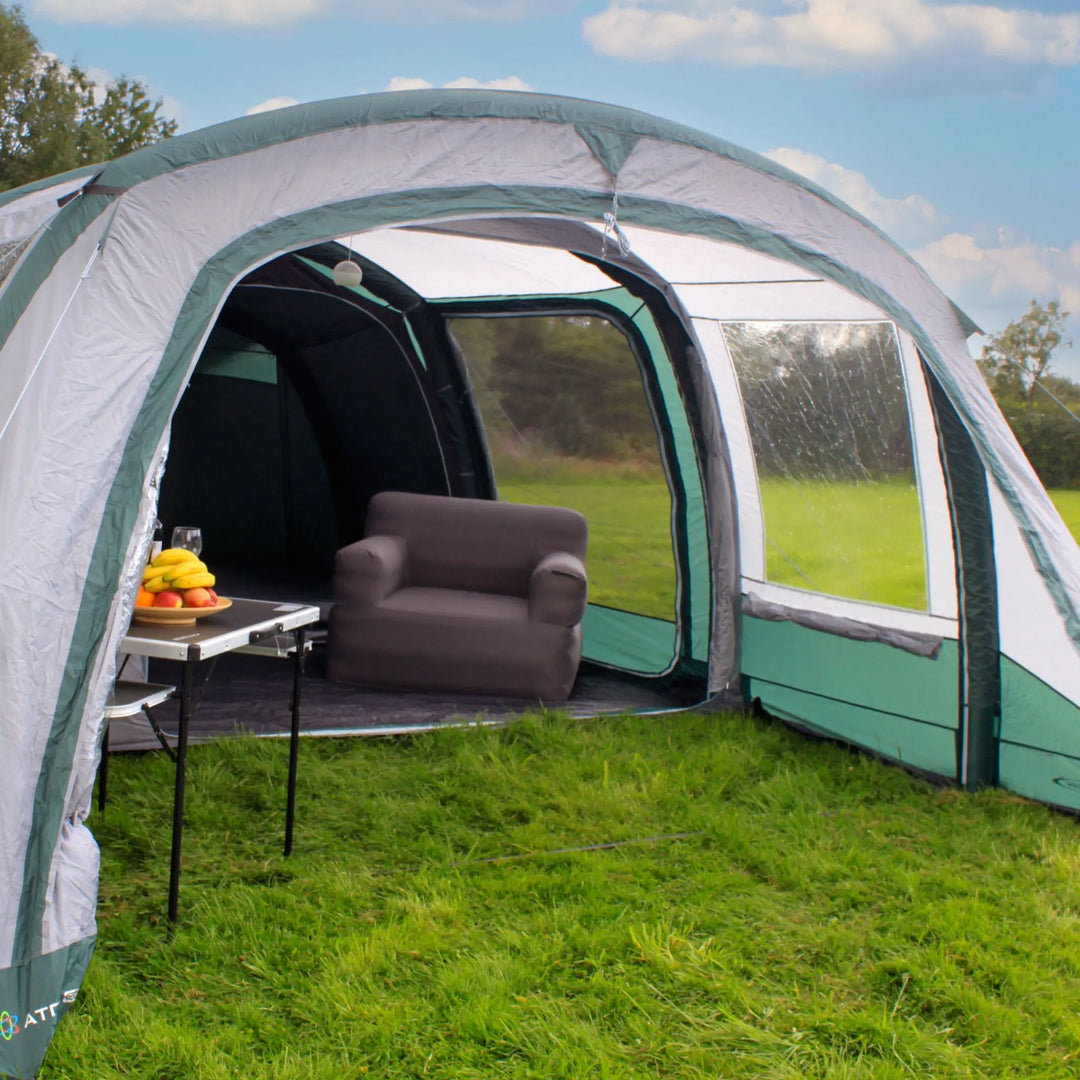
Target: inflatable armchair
{"x":464,"y":595}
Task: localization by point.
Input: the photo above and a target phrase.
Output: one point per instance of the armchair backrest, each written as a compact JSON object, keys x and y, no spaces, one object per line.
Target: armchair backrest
{"x":475,"y":544}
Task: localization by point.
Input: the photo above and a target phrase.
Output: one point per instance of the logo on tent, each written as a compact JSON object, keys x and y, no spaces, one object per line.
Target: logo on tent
{"x":1064,"y":781}
{"x":9,"y":1026}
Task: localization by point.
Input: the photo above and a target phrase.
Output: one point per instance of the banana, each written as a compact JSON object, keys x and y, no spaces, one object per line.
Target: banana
{"x":155,"y":584}
{"x":152,"y":571}
{"x":173,"y":555}
{"x":178,"y":570}
{"x":200,"y":580}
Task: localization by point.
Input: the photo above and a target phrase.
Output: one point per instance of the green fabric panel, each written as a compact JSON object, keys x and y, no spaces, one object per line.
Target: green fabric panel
{"x":864,"y":673}
{"x":969,"y":504}
{"x":252,"y":363}
{"x":33,"y":997}
{"x":1035,"y":715}
{"x":1041,"y":774}
{"x":631,"y":642}
{"x":611,"y":148}
{"x":699,"y":585}
{"x":917,"y":745}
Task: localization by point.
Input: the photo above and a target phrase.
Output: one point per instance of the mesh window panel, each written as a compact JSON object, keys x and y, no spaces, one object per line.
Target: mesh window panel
{"x":828,"y":417}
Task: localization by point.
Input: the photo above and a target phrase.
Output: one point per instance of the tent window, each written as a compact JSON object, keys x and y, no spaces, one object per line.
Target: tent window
{"x":568,"y":423}
{"x":829,"y":422}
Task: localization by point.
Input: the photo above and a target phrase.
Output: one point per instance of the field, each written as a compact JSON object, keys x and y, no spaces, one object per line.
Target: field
{"x":861,"y":541}
{"x":692,"y":896}
{"x":769,"y":907}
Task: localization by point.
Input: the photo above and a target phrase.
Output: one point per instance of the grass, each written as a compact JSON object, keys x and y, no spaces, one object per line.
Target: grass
{"x":821,"y":916}
{"x":862,"y":541}
{"x":1068,"y":506}
{"x":828,"y":917}
{"x":628,"y":505}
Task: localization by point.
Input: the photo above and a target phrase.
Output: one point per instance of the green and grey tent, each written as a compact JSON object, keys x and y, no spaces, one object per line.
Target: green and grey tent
{"x":818,"y":418}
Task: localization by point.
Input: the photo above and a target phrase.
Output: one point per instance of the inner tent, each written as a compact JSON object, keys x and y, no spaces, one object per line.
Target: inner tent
{"x":564,"y":388}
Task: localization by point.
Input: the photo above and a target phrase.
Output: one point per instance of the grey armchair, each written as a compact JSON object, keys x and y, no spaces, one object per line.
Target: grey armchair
{"x":465,"y":595}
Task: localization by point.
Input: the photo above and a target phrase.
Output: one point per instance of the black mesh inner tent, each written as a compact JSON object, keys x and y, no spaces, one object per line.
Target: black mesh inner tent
{"x":308,"y":400}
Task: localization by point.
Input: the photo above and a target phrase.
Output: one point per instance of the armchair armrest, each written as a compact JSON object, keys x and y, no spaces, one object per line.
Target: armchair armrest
{"x":368,"y":571}
{"x":558,"y":590}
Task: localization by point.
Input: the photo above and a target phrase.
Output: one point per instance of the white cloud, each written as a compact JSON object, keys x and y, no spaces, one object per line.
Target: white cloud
{"x":995,"y":283}
{"x":959,"y":262}
{"x":270,"y":104}
{"x":242,"y":12}
{"x":831,"y":35}
{"x":272,"y":12}
{"x":509,"y":82}
{"x":910,"y":220}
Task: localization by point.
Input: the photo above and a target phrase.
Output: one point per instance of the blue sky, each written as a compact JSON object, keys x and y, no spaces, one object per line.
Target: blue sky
{"x":955,"y":126}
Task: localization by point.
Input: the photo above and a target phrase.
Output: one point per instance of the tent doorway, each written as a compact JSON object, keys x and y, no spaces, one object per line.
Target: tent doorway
{"x":308,"y":398}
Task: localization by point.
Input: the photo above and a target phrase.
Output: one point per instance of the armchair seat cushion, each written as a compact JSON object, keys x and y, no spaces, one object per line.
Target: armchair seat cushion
{"x":460,"y":605}
{"x":462,"y":595}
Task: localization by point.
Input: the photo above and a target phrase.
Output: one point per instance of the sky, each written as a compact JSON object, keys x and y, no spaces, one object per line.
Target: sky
{"x":954,"y":126}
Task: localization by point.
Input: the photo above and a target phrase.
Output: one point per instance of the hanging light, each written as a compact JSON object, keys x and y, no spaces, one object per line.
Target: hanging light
{"x":348,"y":273}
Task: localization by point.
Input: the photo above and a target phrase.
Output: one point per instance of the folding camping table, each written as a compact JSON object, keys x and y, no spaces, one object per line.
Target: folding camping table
{"x":248,"y":626}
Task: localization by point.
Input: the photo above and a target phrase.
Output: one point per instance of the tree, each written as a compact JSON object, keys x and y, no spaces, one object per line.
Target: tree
{"x":1040,"y":407}
{"x":1015,"y":361}
{"x":54,"y":118}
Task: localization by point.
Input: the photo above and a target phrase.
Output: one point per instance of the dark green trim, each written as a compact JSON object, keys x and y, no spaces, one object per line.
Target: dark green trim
{"x":976,"y":586}
{"x":33,"y":998}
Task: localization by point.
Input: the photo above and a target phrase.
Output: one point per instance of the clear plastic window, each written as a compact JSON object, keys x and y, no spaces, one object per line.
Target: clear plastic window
{"x":828,"y":417}
{"x":568,"y":423}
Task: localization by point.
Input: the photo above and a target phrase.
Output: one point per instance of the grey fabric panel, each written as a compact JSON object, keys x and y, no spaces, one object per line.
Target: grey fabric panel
{"x":558,"y":590}
{"x":432,"y":639}
{"x":369,"y":570}
{"x":475,"y":544}
{"x":926,"y":645}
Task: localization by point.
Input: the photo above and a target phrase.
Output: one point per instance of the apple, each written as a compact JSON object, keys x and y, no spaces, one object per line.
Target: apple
{"x":198,"y":598}
{"x":213,"y":596}
{"x":168,"y":598}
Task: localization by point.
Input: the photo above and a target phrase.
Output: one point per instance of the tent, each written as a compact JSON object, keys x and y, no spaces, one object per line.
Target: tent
{"x":857,"y":542}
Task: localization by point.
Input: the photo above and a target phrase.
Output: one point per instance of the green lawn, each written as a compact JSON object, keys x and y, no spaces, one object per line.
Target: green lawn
{"x":1068,"y":506}
{"x":631,"y":561}
{"x":861,"y":541}
{"x":827,"y":917}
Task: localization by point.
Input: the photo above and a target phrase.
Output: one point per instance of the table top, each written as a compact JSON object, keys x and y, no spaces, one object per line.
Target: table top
{"x":246,"y":621}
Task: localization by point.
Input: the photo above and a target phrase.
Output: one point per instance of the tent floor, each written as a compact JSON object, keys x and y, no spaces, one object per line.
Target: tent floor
{"x":252,"y":694}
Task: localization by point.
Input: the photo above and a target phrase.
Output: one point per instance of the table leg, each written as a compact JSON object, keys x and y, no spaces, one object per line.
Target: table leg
{"x":294,"y":737}
{"x":103,"y":770}
{"x":178,"y":797}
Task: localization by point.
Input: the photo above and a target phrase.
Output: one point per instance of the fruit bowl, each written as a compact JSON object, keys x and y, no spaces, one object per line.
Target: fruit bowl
{"x":177,"y":616}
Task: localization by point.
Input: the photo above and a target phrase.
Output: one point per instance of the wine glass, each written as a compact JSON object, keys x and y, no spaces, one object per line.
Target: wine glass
{"x":188,"y":537}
